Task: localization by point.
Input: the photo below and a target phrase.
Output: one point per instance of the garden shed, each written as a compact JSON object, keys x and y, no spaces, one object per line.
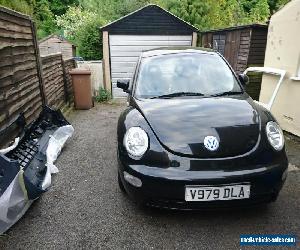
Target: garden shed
{"x":54,"y":44}
{"x":283,"y":52}
{"x":147,"y":28}
{"x":242,"y":46}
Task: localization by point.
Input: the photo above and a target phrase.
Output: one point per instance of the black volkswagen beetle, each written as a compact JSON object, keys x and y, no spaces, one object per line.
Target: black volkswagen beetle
{"x":191,"y":137}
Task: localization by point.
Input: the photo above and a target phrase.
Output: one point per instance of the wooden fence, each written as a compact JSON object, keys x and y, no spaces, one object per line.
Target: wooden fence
{"x":27,"y":81}
{"x":58,"y":87}
{"x":69,"y":64}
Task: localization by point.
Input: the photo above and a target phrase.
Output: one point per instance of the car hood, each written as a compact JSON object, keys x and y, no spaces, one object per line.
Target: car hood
{"x":181,"y":124}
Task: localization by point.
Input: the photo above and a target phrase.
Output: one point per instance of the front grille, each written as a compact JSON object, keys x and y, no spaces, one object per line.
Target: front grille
{"x":25,"y":153}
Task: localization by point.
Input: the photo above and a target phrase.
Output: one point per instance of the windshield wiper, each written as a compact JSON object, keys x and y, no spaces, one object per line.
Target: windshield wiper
{"x":176,"y":94}
{"x":228,"y":93}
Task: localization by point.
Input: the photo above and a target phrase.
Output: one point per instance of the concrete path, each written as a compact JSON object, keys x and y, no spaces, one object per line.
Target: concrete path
{"x":84,"y":208}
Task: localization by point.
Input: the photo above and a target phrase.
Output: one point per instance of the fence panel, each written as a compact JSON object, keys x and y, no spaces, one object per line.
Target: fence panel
{"x":27,"y":81}
{"x":53,"y":80}
{"x":69,"y":64}
{"x":20,"y":82}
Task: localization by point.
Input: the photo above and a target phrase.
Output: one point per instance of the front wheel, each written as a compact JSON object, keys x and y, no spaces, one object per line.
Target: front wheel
{"x":121,"y":186}
{"x":274,"y":197}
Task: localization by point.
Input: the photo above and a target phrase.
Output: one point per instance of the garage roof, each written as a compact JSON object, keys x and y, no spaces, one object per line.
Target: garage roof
{"x":150,"y":20}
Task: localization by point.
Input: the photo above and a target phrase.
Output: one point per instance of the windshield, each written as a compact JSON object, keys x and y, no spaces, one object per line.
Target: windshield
{"x":202,"y":74}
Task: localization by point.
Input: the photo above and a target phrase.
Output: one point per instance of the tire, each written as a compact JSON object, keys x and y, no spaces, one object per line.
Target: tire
{"x":121,"y":186}
{"x":274,"y":197}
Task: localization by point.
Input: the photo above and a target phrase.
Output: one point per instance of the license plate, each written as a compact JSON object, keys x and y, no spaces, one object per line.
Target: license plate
{"x":212,"y":193}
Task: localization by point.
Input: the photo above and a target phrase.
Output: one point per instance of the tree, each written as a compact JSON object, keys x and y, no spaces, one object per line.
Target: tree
{"x":44,"y":18}
{"x":194,"y":12}
{"x":89,"y":41}
{"x":23,"y":6}
{"x":60,"y":7}
{"x":79,"y":20}
{"x":106,"y":9}
{"x":207,"y":14}
{"x":257,"y":11}
{"x":110,"y":10}
{"x":274,"y":5}
{"x":123,"y":7}
{"x":74,"y":19}
{"x":260,"y":12}
{"x":82,"y":27}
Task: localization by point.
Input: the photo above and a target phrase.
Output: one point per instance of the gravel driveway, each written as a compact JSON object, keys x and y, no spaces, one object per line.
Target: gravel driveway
{"x":84,"y":208}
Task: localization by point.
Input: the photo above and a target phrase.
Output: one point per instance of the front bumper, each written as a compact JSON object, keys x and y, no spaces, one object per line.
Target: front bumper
{"x":165,"y":187}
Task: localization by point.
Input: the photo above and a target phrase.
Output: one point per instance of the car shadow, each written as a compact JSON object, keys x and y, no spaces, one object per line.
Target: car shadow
{"x":251,"y":211}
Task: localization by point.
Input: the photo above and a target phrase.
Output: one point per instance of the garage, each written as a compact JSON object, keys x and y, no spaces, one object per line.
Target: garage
{"x":147,"y":28}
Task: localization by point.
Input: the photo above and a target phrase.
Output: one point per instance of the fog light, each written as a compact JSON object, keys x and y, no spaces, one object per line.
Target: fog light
{"x":134,"y":181}
{"x":284,"y":175}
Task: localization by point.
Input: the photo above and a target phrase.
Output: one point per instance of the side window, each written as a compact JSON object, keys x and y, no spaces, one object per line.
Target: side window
{"x":219,"y":43}
{"x":135,"y":73}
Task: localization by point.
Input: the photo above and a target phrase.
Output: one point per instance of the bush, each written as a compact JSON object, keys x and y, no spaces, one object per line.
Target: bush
{"x":89,"y":41}
{"x":103,"y":95}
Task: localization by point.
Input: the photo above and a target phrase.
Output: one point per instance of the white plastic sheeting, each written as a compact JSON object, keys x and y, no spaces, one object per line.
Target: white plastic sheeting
{"x":56,"y":143}
{"x":14,"y":201}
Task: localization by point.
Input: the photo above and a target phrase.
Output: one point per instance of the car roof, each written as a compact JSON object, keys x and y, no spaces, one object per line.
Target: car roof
{"x":176,"y":50}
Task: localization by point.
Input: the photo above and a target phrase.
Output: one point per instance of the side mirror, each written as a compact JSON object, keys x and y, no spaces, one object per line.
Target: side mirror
{"x":123,"y":84}
{"x":244,"y":79}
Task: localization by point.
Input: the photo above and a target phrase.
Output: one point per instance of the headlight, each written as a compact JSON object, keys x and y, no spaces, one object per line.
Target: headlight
{"x":275,"y":135}
{"x":136,"y":142}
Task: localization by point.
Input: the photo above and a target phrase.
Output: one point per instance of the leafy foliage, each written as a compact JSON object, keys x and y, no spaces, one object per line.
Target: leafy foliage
{"x":82,"y":27}
{"x":79,"y":20}
{"x":89,"y":41}
{"x":110,"y":10}
{"x":212,"y":14}
{"x":44,"y":18}
{"x":60,"y":7}
{"x":260,"y":12}
{"x":103,"y":95}
{"x":73,"y":20}
{"x":24,"y":6}
{"x":274,"y":5}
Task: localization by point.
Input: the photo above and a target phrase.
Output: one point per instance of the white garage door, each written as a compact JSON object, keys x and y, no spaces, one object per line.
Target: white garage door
{"x":125,"y":51}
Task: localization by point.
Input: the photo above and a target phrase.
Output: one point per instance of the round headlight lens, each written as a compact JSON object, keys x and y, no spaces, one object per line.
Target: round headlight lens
{"x":275,"y":135}
{"x":136,"y":142}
